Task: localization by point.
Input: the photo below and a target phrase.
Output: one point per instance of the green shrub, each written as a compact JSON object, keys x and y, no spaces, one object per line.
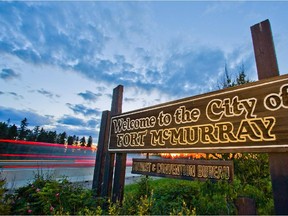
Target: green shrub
{"x":4,"y":199}
{"x":48,"y":196}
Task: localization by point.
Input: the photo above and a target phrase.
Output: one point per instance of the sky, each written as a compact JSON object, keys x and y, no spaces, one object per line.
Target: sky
{"x":61,"y":60}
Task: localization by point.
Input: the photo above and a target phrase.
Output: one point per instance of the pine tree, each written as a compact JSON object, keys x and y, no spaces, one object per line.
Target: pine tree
{"x":3,"y":130}
{"x":70,"y":140}
{"x":83,"y":141}
{"x":241,"y":78}
{"x":23,"y":131}
{"x":62,"y":138}
{"x":12,"y":132}
{"x":90,"y":141}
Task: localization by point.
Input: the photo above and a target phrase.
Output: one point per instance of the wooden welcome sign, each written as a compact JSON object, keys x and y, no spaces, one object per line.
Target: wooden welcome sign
{"x":185,"y":169}
{"x":246,"y":118}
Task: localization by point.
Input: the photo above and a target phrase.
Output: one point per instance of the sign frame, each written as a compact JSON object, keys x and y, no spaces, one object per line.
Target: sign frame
{"x":260,"y":146}
{"x":185,"y":169}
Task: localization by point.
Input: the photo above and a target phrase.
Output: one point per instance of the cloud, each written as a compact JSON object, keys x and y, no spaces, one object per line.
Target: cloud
{"x":133,"y":100}
{"x":75,"y":122}
{"x":8,"y":74}
{"x":190,"y":71}
{"x":79,"y":131}
{"x":89,"y":96}
{"x":93,"y":123}
{"x":76,"y":36}
{"x":16,"y":116}
{"x":81,"y":109}
{"x":14,"y":94}
{"x":47,"y":93}
{"x":70,"y":120}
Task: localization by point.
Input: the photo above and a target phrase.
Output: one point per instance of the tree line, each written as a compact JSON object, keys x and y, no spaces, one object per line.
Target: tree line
{"x":39,"y":134}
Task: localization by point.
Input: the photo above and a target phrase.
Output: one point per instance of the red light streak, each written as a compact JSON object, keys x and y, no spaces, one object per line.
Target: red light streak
{"x":21,"y":142}
{"x":47,"y":166}
{"x":44,"y":156}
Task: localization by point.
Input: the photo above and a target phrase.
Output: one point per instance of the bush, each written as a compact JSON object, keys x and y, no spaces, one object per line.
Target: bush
{"x":45,"y":196}
{"x":48,"y":196}
{"x":180,"y":197}
{"x":4,"y":199}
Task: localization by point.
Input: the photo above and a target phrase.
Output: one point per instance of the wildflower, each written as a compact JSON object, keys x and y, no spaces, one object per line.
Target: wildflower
{"x":51,"y":208}
{"x":38,"y":190}
{"x":29,"y":211}
{"x":57,"y":194}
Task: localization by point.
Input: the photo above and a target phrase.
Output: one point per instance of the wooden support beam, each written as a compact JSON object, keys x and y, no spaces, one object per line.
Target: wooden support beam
{"x":116,"y":108}
{"x":278,"y":163}
{"x":267,"y":67}
{"x":264,"y":50}
{"x":120,"y":165}
{"x":108,"y":175}
{"x":101,"y":153}
{"x":119,"y":178}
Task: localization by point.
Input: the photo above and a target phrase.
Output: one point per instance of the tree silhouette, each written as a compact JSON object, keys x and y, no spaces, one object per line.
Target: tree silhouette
{"x":83,"y":141}
{"x":90,"y":141}
{"x":23,"y":131}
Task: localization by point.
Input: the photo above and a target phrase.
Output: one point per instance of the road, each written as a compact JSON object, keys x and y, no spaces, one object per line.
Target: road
{"x":21,"y":172}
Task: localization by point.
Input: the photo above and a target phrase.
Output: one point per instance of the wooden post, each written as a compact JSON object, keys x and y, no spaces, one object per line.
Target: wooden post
{"x":119,"y":178}
{"x":116,"y":108}
{"x":267,"y":67}
{"x":264,"y":50}
{"x":246,"y":206}
{"x":120,"y":165}
{"x":108,"y":175}
{"x":101,"y":153}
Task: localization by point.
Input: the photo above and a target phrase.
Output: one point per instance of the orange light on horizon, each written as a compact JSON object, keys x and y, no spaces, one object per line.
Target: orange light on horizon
{"x":183,"y":155}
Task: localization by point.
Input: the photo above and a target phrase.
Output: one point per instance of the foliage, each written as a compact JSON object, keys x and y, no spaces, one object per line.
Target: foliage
{"x":83,"y":141}
{"x":227,"y":80}
{"x":147,"y":197}
{"x":181,"y":197}
{"x":251,"y":170}
{"x":48,"y":196}
{"x":4,"y":201}
{"x":38,"y":134}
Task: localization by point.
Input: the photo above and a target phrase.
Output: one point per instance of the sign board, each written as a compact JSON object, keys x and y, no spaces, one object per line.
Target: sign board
{"x":185,"y":169}
{"x":246,"y":118}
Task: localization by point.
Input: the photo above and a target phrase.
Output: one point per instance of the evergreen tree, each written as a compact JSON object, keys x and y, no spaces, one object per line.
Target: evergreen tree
{"x":62,"y":138}
{"x":36,"y":132}
{"x":70,"y":140}
{"x":90,"y":141}
{"x":3,"y":130}
{"x":12,"y":132}
{"x":241,"y":78}
{"x":39,"y":135}
{"x":226,"y":80}
{"x":51,"y":137}
{"x":23,"y":131}
{"x":42,"y":137}
{"x":83,"y":141}
{"x":76,"y":140}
